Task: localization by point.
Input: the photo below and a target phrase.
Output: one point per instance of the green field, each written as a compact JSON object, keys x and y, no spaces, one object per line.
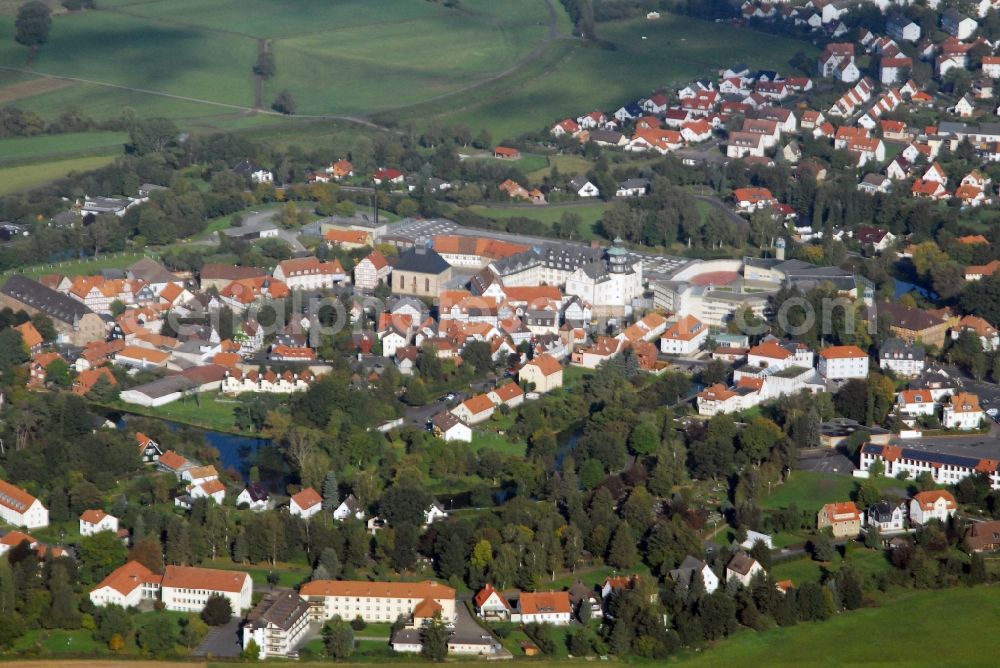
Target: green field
{"x":810,"y":490}
{"x":574,"y":77}
{"x":345,"y":57}
{"x":50,"y":146}
{"x":488,"y":64}
{"x":548,"y":215}
{"x":210,"y":411}
{"x":909,"y":621}
{"x":13,"y":179}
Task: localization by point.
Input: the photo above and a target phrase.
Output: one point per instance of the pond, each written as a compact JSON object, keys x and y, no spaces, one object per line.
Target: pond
{"x":235,"y":451}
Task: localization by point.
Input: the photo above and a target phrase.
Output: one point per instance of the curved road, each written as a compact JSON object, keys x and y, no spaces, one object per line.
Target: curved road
{"x":533,"y":55}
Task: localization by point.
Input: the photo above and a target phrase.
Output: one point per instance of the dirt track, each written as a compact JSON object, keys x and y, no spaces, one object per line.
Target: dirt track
{"x":29,"y":88}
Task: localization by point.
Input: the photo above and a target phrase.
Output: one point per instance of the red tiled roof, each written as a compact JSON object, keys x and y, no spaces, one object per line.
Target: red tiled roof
{"x":422,"y":590}
{"x":191,"y":577}
{"x":533,"y":603}
{"x":307,"y":498}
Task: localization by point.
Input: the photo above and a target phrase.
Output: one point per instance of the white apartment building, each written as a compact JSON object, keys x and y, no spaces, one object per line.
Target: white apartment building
{"x":278,"y":624}
{"x":944,"y":469}
{"x":843,"y":362}
{"x":377,"y":601}
{"x":21,"y":509}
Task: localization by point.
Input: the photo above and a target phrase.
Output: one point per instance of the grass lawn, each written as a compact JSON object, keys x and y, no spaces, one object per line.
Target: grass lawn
{"x":87,"y":266}
{"x":35,"y":149}
{"x":57,"y":641}
{"x":589,"y":213}
{"x":847,"y":639}
{"x":810,"y":490}
{"x":567,"y":164}
{"x":489,"y":440}
{"x":573,"y":375}
{"x":865,"y":563}
{"x":13,"y":179}
{"x":211,"y":411}
{"x":289,"y":575}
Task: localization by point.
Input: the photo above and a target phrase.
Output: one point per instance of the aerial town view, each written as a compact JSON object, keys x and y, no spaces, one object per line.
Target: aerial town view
{"x":654,"y":332}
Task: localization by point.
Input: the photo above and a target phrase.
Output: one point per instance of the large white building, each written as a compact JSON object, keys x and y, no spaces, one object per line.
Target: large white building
{"x":278,"y":624}
{"x":188,"y":588}
{"x":944,"y":468}
{"x":843,"y":362}
{"x":21,"y":509}
{"x":607,"y":279}
{"x":127,"y":586}
{"x":308,"y":273}
{"x":378,"y":601}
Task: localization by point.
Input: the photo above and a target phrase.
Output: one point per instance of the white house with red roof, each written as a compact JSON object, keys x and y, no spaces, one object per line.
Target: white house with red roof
{"x":915,"y":403}
{"x":684,"y":337}
{"x":95,"y":521}
{"x":938,"y":504}
{"x":306,"y":503}
{"x":474,"y":409}
{"x":752,"y":199}
{"x":491,"y":605}
{"x":20,"y":509}
{"x":567,"y":126}
{"x":510,"y":395}
{"x":388,"y":175}
{"x":551,"y":607}
{"x":127,"y":586}
{"x":962,"y":412}
{"x":371,"y":270}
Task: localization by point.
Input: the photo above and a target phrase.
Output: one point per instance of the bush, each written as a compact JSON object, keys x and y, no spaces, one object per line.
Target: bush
{"x":359,"y":624}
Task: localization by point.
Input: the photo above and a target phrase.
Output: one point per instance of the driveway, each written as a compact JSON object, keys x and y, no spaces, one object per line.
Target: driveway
{"x":222,"y":641}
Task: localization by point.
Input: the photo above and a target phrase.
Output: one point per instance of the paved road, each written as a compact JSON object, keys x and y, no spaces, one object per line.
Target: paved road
{"x":222,"y":641}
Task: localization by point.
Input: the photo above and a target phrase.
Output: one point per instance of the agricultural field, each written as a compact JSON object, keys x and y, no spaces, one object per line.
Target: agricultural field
{"x":346,"y":57}
{"x":490,"y":65}
{"x":13,"y":179}
{"x":35,"y":149}
{"x":847,"y":639}
{"x":573,"y":77}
